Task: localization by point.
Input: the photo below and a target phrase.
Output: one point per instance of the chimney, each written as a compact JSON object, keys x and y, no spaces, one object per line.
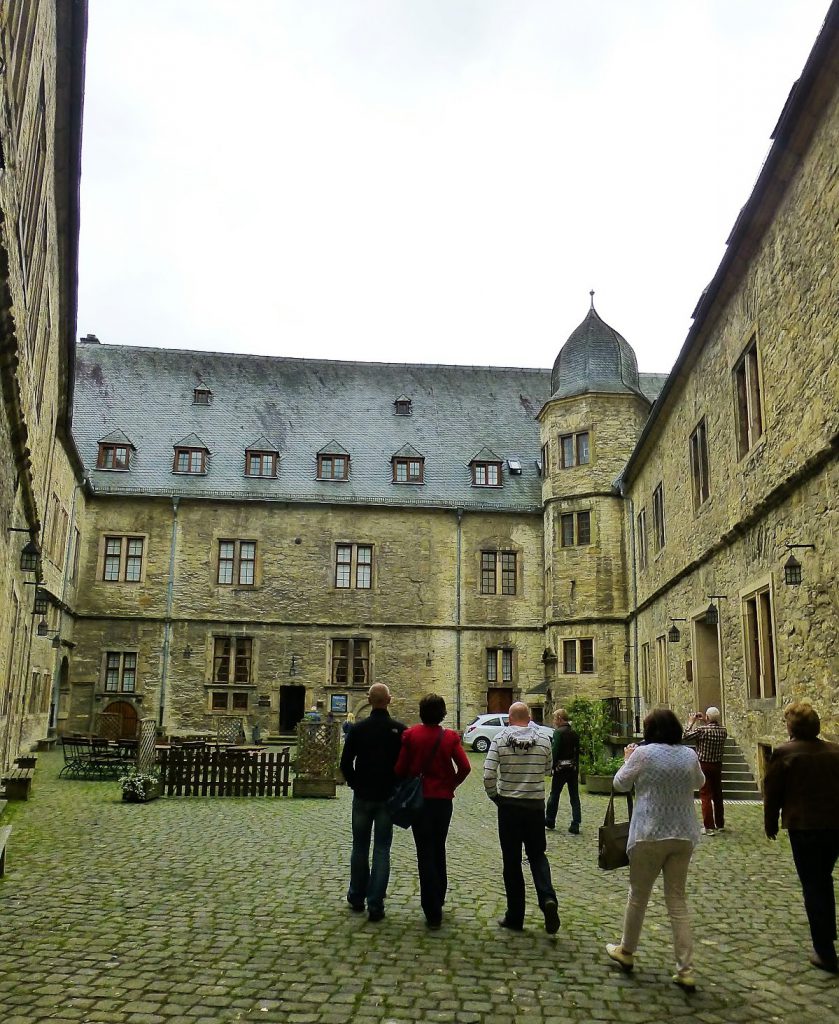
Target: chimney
{"x":89,"y":339}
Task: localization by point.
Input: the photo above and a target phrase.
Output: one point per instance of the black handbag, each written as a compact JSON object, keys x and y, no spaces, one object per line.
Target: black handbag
{"x":405,"y":804}
{"x":612,"y":837}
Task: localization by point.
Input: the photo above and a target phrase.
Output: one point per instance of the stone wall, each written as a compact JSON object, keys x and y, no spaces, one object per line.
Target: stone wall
{"x":783,"y":491}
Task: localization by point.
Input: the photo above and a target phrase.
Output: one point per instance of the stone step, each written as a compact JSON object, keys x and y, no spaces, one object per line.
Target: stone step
{"x":737,"y":780}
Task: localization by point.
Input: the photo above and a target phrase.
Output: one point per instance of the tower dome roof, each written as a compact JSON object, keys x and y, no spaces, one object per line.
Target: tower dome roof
{"x":595,"y":358}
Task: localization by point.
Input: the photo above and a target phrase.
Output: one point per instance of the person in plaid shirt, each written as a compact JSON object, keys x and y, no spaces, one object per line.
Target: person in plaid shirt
{"x":710,"y":736}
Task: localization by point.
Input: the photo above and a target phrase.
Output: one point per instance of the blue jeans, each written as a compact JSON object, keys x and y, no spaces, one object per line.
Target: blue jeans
{"x":561,"y":778}
{"x":366,"y":882}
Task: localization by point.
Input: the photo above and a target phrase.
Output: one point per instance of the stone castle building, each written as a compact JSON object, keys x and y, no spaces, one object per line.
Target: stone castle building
{"x":253,"y":536}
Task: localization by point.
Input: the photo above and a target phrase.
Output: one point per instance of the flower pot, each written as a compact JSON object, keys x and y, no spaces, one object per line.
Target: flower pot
{"x":599,"y":784}
{"x":151,"y":793}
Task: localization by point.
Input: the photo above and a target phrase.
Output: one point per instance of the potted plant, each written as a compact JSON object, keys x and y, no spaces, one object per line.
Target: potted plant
{"x":138,"y":787}
{"x":591,"y":722}
{"x":600,"y":774}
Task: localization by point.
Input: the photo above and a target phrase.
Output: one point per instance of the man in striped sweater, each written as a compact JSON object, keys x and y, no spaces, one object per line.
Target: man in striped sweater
{"x":517,"y":762}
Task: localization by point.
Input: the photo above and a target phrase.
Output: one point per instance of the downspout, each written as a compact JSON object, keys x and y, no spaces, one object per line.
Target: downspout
{"x":637,"y":700}
{"x":457,"y":677}
{"x":167,"y":625}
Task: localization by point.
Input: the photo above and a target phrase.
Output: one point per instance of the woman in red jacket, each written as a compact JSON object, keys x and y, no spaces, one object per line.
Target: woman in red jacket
{"x":438,"y":755}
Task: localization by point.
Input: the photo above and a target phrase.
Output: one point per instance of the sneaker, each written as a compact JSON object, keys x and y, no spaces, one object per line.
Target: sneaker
{"x":574,"y":830}
{"x":375,"y":915}
{"x":709,"y":831}
{"x":720,"y":829}
{"x":357,"y":908}
{"x":504,"y":923}
{"x":685,"y":980}
{"x":616,"y":953}
{"x":551,"y":917}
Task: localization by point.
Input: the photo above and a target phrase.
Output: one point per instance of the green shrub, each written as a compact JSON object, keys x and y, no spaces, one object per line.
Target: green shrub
{"x":592,"y":723}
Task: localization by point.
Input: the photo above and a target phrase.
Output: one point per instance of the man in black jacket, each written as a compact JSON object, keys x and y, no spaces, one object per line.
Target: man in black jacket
{"x":565,"y":746}
{"x":370,"y":752}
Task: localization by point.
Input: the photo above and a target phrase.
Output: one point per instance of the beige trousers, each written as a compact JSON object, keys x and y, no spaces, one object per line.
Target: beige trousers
{"x":648,"y":860}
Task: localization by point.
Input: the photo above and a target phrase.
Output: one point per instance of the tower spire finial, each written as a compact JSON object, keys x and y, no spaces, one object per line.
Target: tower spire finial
{"x":591,"y":293}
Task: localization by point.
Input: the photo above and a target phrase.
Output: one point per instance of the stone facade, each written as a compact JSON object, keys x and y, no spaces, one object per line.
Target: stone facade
{"x":40,"y":125}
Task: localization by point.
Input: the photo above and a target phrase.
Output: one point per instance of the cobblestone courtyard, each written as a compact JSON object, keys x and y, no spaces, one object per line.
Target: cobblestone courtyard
{"x":200,"y":910}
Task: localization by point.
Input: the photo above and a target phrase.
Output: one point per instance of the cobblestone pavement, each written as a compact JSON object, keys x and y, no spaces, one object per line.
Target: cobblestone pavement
{"x":201,"y":910}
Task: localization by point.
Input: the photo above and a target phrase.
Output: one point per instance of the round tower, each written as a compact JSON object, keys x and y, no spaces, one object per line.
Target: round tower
{"x":589,"y":427}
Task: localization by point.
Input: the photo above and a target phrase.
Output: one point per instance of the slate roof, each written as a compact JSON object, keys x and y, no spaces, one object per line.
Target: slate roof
{"x":118,"y":437}
{"x":300,"y":403}
{"x":595,"y":358}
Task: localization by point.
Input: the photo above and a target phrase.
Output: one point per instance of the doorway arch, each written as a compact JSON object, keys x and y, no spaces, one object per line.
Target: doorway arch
{"x":127,"y":715}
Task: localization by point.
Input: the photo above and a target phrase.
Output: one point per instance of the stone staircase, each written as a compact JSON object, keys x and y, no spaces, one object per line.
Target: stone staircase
{"x":737,"y":780}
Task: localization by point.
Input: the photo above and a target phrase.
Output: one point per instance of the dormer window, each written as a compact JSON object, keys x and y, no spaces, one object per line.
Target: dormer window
{"x":115,"y":452}
{"x":190,"y":455}
{"x":486,"y":469}
{"x":333,"y":467}
{"x":202,"y":396}
{"x":408,"y":471}
{"x":260,"y":463}
{"x":190,"y":460}
{"x":261,"y":458}
{"x":333,"y":462}
{"x":113,"y":456}
{"x":402,"y":406}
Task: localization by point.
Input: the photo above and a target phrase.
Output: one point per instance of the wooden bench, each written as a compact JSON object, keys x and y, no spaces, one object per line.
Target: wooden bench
{"x":18,"y":782}
{"x":26,"y":760}
{"x":5,"y":832}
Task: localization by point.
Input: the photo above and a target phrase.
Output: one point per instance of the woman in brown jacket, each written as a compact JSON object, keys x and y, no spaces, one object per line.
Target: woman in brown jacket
{"x":802,"y":784}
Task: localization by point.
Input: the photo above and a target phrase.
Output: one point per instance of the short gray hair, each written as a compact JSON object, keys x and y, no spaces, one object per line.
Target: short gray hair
{"x":713,"y":714}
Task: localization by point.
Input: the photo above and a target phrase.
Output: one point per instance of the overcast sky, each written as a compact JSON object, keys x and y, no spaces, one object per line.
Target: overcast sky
{"x":420,"y":180}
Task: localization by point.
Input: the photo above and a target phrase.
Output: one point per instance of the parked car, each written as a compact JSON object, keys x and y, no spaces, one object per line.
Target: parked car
{"x":479,"y":734}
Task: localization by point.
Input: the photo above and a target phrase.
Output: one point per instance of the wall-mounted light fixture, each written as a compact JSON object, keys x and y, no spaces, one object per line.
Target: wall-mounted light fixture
{"x":792,"y":567}
{"x":712,"y":615}
{"x":42,"y":601}
{"x":294,"y":668}
{"x":187,"y":652}
{"x":673,"y":634}
{"x":30,"y":558}
{"x":428,"y":659}
{"x":626,"y":650}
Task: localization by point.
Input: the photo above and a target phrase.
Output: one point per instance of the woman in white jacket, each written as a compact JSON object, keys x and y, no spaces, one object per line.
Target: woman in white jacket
{"x":662,"y":836}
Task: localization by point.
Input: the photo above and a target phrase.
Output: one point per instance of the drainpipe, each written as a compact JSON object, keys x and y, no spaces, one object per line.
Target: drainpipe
{"x":457,"y":679}
{"x":637,"y":708}
{"x":167,"y":626}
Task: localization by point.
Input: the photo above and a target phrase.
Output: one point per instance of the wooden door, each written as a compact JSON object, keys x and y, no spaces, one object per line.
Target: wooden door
{"x":499,"y":699}
{"x":127,"y":729}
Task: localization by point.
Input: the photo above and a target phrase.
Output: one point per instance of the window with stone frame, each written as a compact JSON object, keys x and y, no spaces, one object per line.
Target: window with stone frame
{"x":658,"y":517}
{"x":333,"y":467}
{"x":260,"y":463}
{"x":229,"y":700}
{"x":120,"y":671}
{"x":113,"y":456}
{"x":236,"y":563}
{"x":575,"y":529}
{"x":408,"y":470}
{"x":190,"y":461}
{"x":232,"y":659}
{"x":545,"y":465}
{"x":500,"y":665}
{"x":578,"y":656}
{"x":486,"y":474}
{"x":202,"y":396}
{"x":700,"y":482}
{"x":499,"y":572}
{"x":748,"y":398}
{"x":574,"y":450}
{"x":759,"y":634}
{"x":662,"y":675}
{"x":646,"y":675}
{"x":350,"y":662}
{"x":641,"y":538}
{"x":353,"y":566}
{"x":122,"y":559}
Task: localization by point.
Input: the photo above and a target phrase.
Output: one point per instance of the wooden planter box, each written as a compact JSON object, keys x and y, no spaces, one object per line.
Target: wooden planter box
{"x":599,"y":784}
{"x":303,"y":787}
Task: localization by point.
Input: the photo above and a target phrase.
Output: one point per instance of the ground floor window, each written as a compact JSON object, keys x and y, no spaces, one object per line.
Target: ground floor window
{"x":759,"y":630}
{"x":232,"y":659}
{"x":120,"y":671}
{"x":224,"y":700}
{"x":499,"y":664}
{"x":351,"y":662}
{"x":578,"y":656}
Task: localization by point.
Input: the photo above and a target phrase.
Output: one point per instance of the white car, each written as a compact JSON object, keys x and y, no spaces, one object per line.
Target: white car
{"x":479,"y":734}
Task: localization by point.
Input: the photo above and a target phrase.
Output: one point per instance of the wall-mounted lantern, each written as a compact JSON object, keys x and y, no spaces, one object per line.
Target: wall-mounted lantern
{"x":42,"y":602}
{"x":712,"y":615}
{"x":792,"y":567}
{"x":294,"y":668}
{"x":30,"y":558}
{"x":673,"y":634}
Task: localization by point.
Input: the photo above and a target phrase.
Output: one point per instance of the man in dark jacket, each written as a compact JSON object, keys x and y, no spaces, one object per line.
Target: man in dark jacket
{"x":367,"y":762}
{"x":565,"y":748}
{"x":802,"y":784}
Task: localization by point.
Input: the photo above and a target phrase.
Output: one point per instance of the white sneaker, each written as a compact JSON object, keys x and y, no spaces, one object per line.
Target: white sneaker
{"x":709,"y":831}
{"x":616,"y":953}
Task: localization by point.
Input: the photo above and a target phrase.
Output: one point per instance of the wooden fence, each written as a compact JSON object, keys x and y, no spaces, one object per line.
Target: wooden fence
{"x":185,"y":772}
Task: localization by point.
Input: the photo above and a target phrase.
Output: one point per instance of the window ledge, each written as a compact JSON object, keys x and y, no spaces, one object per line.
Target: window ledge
{"x":753,"y":452}
{"x":113,"y":469}
{"x":229,"y":686}
{"x":762,"y":703}
{"x":332,"y":479}
{"x":408,"y":483}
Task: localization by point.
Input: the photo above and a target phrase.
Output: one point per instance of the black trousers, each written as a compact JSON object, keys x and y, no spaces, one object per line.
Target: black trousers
{"x":815,"y":852}
{"x":430,"y":832}
{"x":517,"y":827}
